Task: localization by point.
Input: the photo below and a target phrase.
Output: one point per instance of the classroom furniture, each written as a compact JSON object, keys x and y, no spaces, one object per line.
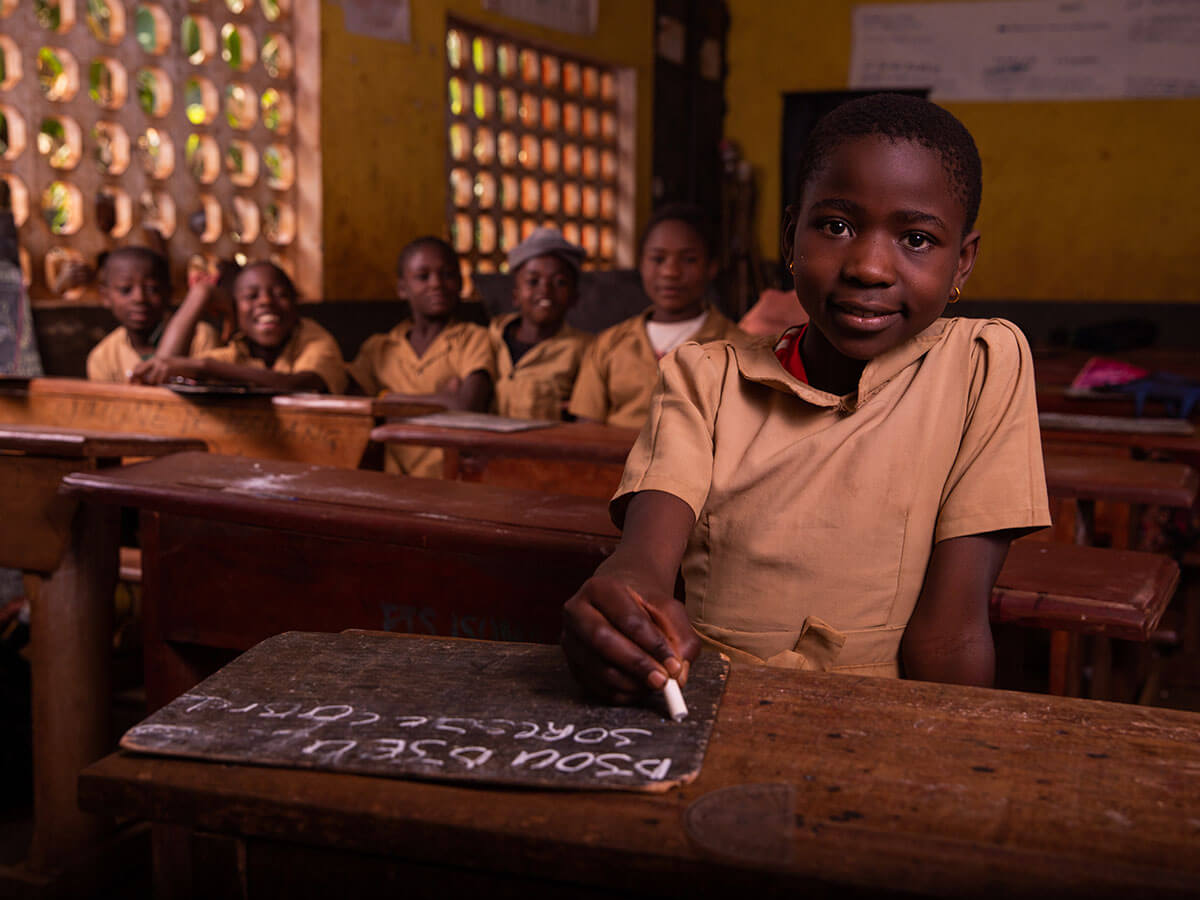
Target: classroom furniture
{"x":812,"y":785}
{"x":319,"y":428}
{"x":71,"y":549}
{"x":235,"y":550}
{"x":582,"y":458}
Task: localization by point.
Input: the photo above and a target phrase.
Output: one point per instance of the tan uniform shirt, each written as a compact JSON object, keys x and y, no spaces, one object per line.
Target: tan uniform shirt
{"x":619,"y":370}
{"x":388,"y":363}
{"x":310,"y":349}
{"x":114,"y":358}
{"x":540,"y":382}
{"x":817,"y":514}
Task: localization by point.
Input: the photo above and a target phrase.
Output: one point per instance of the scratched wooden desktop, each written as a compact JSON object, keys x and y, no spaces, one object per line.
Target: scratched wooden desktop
{"x":813,"y":785}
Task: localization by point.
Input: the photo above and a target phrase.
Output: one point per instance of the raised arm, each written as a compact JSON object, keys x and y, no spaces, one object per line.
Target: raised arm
{"x":949,"y":636}
{"x":177,"y":336}
{"x":623,"y":631}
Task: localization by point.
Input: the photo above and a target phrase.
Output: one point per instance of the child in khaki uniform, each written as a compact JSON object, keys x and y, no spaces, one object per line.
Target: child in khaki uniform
{"x":135,"y":283}
{"x":845,"y":501}
{"x":430,"y":357}
{"x":274,"y":347}
{"x":537,"y":353}
{"x":619,"y":370}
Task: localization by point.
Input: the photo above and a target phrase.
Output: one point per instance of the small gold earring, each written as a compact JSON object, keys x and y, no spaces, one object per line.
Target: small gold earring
{"x":792,"y":267}
{"x":955,"y":294}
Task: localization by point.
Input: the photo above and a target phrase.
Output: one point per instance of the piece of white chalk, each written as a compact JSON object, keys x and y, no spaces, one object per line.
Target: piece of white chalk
{"x":675,"y":705}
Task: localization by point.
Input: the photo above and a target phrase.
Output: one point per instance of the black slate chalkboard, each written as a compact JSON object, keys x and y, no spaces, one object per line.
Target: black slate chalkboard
{"x":432,"y":708}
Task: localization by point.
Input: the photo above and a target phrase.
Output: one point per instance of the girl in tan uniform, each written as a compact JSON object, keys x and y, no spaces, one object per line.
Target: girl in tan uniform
{"x":619,"y":370}
{"x":843,"y":501}
{"x":537,"y":352}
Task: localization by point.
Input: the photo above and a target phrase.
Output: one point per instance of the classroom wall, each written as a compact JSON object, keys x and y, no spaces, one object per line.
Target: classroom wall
{"x":383,"y":128}
{"x":1082,"y":201}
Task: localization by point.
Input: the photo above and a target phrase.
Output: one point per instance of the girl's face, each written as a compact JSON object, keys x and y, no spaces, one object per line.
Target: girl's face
{"x":675,"y":270}
{"x":266,"y":306}
{"x":544,"y":289}
{"x":134,"y":293}
{"x":430,"y":283}
{"x":879,"y":244}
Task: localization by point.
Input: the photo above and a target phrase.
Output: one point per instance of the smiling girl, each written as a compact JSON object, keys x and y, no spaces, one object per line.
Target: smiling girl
{"x":273,"y":348}
{"x":619,"y":370}
{"x":845,"y":502}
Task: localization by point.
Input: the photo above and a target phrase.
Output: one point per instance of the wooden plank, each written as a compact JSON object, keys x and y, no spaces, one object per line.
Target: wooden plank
{"x":470,"y":712}
{"x":1122,"y":480}
{"x":312,"y":428}
{"x":811,"y":780}
{"x":36,"y":522}
{"x":47,"y":440}
{"x":1089,"y":590}
{"x":1116,"y":424}
{"x":584,"y":441}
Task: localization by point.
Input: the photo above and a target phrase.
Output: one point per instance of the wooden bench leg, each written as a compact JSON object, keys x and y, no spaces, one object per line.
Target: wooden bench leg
{"x":1102,"y":661}
{"x":1064,"y":663}
{"x":71,"y":623}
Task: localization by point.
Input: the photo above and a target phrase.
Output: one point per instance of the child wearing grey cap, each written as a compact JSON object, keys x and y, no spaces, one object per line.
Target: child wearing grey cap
{"x":537,"y":352}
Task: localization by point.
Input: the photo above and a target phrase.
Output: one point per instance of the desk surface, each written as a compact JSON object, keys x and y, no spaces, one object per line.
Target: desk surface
{"x":336,"y":502}
{"x":88,"y":443}
{"x":874,"y":783}
{"x":1122,"y":480}
{"x":571,"y":440}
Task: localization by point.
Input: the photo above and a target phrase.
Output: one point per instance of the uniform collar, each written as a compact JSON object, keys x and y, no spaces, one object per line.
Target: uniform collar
{"x":757,"y":362}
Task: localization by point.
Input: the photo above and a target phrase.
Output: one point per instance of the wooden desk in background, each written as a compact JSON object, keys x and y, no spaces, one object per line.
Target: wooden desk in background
{"x":328,"y":430}
{"x":236,"y":550}
{"x":813,"y":785}
{"x":581,"y":458}
{"x":72,"y":549}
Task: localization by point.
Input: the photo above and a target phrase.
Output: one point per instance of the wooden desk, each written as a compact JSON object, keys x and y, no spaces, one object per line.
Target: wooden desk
{"x":329,"y":430}
{"x":235,"y":550}
{"x":832,"y":784}
{"x":581,"y":458}
{"x":73,"y":551}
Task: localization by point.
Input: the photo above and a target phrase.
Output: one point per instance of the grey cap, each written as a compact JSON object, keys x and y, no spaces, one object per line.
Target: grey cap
{"x":543,"y":241}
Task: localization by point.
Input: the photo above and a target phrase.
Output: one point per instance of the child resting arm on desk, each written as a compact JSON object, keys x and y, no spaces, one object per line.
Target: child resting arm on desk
{"x":273,"y":348}
{"x":432,"y":357}
{"x":844,"y":501}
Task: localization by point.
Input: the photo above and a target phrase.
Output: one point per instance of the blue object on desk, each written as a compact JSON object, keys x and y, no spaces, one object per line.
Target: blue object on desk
{"x":1178,"y":394}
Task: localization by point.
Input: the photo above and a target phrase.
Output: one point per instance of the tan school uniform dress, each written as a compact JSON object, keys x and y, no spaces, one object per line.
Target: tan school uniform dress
{"x":387,"y":363}
{"x":540,"y":382}
{"x":816,"y":515}
{"x":114,"y":358}
{"x":310,"y":349}
{"x":619,"y":371}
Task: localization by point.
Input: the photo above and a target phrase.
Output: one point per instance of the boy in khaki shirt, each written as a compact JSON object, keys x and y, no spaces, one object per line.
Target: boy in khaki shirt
{"x":274,"y":347}
{"x":431,"y":357}
{"x":135,"y":283}
{"x":537,"y":352}
{"x":844,"y":501}
{"x":619,"y":370}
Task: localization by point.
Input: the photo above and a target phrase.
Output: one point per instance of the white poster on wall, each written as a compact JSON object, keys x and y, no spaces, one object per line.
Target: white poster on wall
{"x":1030,"y":49}
{"x":574,"y":16}
{"x":387,"y":20}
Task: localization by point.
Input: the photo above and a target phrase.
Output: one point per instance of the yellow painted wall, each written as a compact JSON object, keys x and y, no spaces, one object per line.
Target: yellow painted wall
{"x":1081,"y":201}
{"x":383,"y":128}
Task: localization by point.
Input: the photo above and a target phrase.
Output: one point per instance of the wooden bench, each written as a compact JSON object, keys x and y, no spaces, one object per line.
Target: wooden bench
{"x":70,"y":552}
{"x":235,"y":550}
{"x":812,"y":785}
{"x":329,"y":430}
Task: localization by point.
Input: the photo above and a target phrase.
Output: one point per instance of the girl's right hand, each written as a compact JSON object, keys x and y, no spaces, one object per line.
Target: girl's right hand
{"x":621,"y":639}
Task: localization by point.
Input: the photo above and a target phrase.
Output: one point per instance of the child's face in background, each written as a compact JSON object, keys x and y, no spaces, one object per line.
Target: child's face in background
{"x":430,"y":283}
{"x":266,"y":307}
{"x":879,"y":245}
{"x":134,"y":293}
{"x":675,"y":270}
{"x":543,"y":290}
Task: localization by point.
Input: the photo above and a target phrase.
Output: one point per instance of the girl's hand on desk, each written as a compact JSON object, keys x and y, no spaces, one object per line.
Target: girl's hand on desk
{"x":621,"y":641}
{"x":158,"y":370}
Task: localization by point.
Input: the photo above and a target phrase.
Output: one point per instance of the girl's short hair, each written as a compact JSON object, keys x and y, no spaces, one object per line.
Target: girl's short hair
{"x":900,"y":117}
{"x":160,"y":269}
{"x":690,"y":215}
{"x":266,"y":264}
{"x":421,"y":243}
